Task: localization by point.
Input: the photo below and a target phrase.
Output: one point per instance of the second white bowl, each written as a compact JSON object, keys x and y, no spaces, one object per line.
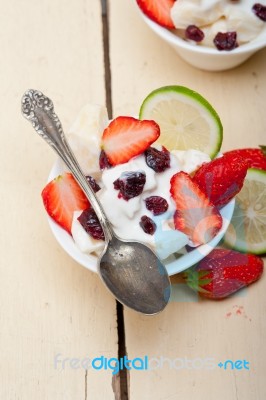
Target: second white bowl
{"x":208,"y":58}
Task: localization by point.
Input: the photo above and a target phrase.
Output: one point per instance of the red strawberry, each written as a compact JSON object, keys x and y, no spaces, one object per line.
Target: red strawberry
{"x":158,"y":11}
{"x":221,"y":179}
{"x":256,"y":158}
{"x":195,"y":215}
{"x":127,"y":137}
{"x":223,"y":272}
{"x":61,"y":197}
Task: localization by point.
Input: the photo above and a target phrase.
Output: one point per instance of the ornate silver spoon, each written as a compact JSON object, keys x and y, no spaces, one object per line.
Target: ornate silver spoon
{"x":130,"y":270}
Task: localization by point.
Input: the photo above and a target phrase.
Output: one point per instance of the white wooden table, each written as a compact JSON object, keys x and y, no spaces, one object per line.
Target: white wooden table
{"x":51,"y":308}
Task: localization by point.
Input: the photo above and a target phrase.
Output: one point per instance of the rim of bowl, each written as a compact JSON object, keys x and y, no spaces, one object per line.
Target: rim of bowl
{"x":254,"y":45}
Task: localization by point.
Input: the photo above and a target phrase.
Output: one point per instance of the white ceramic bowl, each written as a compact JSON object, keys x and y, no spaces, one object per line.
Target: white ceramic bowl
{"x":173,"y":265}
{"x":207,"y":58}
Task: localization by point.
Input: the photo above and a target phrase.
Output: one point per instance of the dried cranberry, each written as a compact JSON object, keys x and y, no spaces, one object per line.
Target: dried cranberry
{"x":148,"y":225}
{"x":260,"y":11}
{"x":104,"y":163}
{"x":94,"y":185}
{"x":91,"y":224}
{"x":225,"y":41}
{"x":158,"y":160}
{"x":189,"y":248}
{"x":192,"y":32}
{"x":156,"y":204}
{"x":130,"y":184}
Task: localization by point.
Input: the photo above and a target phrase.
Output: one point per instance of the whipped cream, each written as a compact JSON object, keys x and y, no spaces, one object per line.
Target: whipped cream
{"x":125,"y":215}
{"x":213,"y":16}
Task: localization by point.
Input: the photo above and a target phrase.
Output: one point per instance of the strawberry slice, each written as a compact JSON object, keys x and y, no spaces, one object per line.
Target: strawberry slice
{"x":195,"y":215}
{"x":221,"y":179}
{"x":256,"y":158}
{"x":61,"y":197}
{"x":158,"y":11}
{"x":223,"y":272}
{"x":127,"y":137}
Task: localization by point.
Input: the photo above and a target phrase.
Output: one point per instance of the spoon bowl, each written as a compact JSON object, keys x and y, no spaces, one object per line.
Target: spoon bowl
{"x":130,"y":270}
{"x":133,"y":271}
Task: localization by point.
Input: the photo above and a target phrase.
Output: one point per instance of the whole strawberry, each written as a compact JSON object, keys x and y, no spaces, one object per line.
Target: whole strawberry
{"x":221,"y":179}
{"x":223,"y":272}
{"x":256,"y":158}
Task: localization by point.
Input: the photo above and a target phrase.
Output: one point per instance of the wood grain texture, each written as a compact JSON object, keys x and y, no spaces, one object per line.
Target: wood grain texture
{"x":48,"y":303}
{"x":189,"y":328}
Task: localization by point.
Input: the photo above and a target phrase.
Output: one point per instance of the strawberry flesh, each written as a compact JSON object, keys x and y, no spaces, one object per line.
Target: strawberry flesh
{"x":223,"y":272}
{"x":127,"y":137}
{"x":195,"y":215}
{"x":221,"y":179}
{"x":61,"y":197}
{"x":158,"y":10}
{"x":256,"y":158}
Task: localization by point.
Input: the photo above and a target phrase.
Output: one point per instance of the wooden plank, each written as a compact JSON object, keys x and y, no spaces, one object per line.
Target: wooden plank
{"x":188,"y":328}
{"x":49,"y":305}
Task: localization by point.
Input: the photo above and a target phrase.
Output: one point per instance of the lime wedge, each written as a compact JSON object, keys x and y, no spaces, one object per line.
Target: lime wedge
{"x":247,"y":230}
{"x":186,"y":119}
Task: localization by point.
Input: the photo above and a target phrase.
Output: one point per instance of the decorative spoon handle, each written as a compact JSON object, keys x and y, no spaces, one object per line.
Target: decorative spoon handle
{"x":39,"y":110}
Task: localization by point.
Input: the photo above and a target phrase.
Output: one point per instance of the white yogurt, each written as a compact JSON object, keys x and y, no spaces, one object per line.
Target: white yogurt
{"x":125,"y":215}
{"x":213,"y":16}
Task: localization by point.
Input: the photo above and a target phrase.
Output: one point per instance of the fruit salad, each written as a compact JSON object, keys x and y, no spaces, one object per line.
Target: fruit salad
{"x":150,"y":193}
{"x":133,"y":184}
{"x":223,"y":24}
{"x":162,"y":180}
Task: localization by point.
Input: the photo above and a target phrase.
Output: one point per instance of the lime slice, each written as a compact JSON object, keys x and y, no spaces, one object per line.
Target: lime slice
{"x":247,"y":230}
{"x":186,"y":119}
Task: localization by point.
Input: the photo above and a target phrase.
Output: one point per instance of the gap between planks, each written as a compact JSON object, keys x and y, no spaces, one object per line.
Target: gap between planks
{"x":121,"y":387}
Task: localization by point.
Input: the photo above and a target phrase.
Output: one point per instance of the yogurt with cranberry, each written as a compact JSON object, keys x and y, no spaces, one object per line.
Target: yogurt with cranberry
{"x":223,"y":24}
{"x":137,"y":202}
